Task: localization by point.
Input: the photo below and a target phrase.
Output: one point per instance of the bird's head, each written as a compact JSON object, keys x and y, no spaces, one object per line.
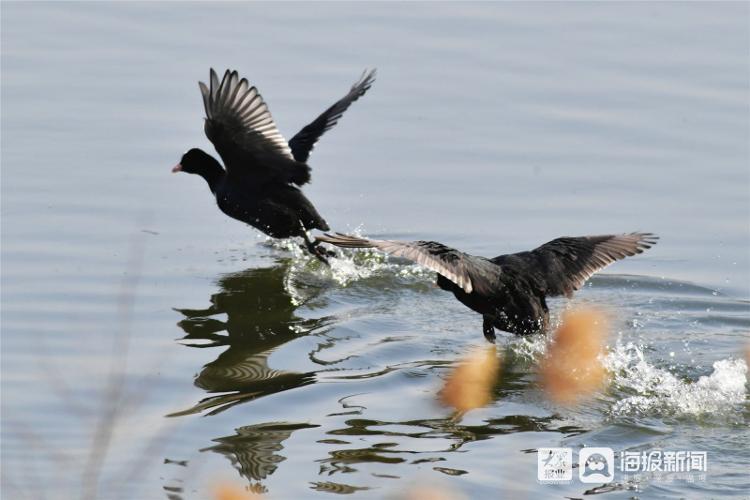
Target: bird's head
{"x":199,"y":162}
{"x":195,"y":161}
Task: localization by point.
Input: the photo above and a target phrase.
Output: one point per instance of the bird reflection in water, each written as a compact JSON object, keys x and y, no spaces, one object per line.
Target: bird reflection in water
{"x":254,"y":313}
{"x":260,"y":307}
{"x":254,"y":449}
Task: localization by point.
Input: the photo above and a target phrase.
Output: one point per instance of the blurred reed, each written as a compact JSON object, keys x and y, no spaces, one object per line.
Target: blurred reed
{"x":572,"y":370}
{"x":470,"y":384}
{"x":423,"y":491}
{"x":230,"y":491}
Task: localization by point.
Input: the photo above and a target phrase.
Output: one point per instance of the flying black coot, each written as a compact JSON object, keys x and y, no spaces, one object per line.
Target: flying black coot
{"x":259,"y":185}
{"x":509,"y":291}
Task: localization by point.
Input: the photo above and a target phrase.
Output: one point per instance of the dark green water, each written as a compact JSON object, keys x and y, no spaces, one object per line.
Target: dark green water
{"x":129,"y":302}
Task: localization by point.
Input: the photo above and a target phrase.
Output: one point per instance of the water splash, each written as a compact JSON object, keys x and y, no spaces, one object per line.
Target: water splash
{"x":348,"y":266}
{"x":529,"y":349}
{"x":659,"y":391}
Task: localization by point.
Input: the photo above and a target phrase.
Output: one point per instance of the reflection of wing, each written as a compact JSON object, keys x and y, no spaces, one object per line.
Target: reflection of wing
{"x":467,"y":271}
{"x":254,"y":449}
{"x":220,"y":376}
{"x":564,"y":264}
{"x":302,"y":143}
{"x":217,"y":404}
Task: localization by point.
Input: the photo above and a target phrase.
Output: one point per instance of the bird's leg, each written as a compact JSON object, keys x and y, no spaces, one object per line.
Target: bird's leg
{"x":489,"y":329}
{"x":324,"y":251}
{"x":314,"y":248}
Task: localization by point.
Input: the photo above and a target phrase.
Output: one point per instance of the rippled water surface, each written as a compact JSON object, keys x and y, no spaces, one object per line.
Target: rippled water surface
{"x":129,"y":302}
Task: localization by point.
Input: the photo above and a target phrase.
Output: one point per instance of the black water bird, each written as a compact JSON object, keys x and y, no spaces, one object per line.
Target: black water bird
{"x":260,"y":183}
{"x":510,"y":291}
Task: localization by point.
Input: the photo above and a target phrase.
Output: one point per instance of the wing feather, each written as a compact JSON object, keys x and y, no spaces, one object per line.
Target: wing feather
{"x":563,"y":265}
{"x":238,"y":118}
{"x":303,"y":142}
{"x":467,"y":271}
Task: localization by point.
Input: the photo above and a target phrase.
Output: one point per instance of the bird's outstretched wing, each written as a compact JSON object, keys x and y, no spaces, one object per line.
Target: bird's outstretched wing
{"x":242,"y":129}
{"x":563,"y":265}
{"x":467,"y":271}
{"x":302,"y":143}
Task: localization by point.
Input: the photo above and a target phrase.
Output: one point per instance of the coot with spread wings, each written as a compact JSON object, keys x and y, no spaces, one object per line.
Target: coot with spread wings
{"x":510,"y":291}
{"x":259,"y":182}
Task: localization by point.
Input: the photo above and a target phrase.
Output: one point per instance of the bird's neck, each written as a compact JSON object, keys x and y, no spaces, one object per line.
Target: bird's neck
{"x":213,"y":173}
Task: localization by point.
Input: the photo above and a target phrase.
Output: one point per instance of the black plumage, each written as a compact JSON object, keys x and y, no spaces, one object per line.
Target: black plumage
{"x":259,"y":183}
{"x":510,"y":291}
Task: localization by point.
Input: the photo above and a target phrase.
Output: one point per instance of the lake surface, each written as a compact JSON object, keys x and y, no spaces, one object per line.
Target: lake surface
{"x":152,"y":347}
